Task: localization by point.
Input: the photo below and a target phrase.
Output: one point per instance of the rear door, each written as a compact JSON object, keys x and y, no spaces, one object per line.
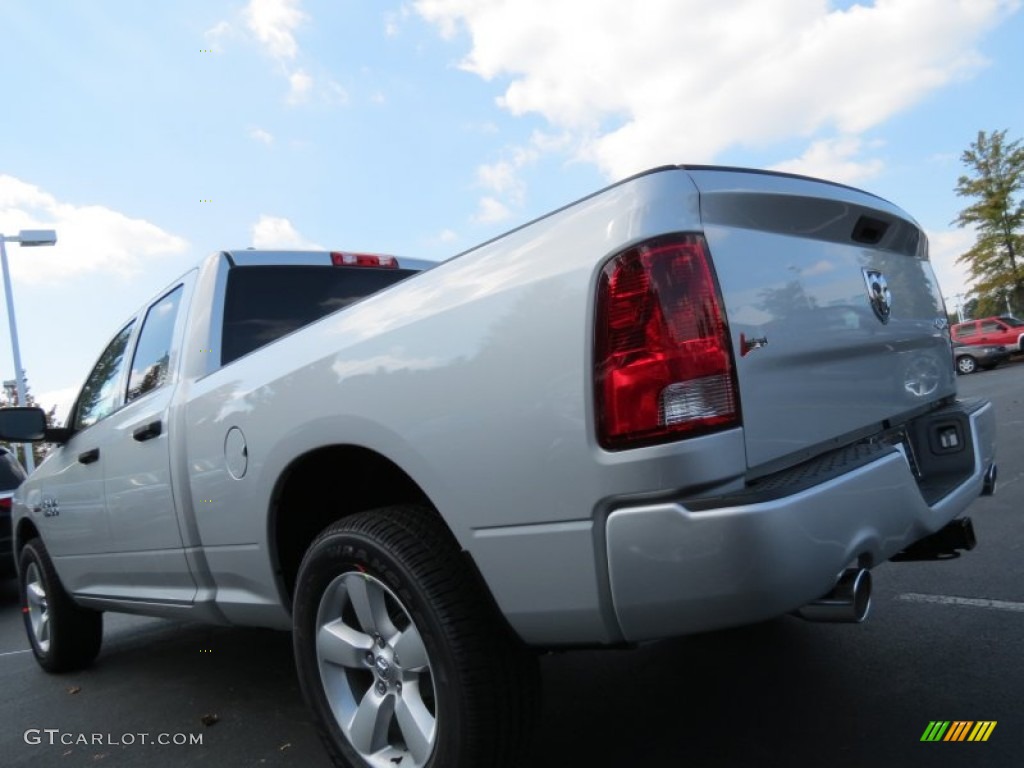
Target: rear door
{"x":966,"y":333}
{"x":142,"y":517}
{"x":836,"y":319}
{"x":1001,"y":330}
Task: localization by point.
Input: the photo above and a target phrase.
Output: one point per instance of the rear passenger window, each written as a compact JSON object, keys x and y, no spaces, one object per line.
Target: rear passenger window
{"x":153,"y":352}
{"x":263,"y":304}
{"x":966,"y":330}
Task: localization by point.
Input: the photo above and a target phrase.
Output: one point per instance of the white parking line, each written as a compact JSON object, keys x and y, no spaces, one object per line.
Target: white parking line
{"x":12,"y":653}
{"x":975,"y":602}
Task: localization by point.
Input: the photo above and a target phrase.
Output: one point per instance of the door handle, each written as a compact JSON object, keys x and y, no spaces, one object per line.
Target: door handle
{"x":89,"y":456}
{"x":149,"y":431}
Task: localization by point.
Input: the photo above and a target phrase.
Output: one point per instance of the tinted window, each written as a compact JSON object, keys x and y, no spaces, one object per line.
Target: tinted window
{"x":99,"y":397}
{"x":991,"y":326}
{"x":966,"y":330}
{"x":152,"y":353}
{"x":264,"y":303}
{"x":1013,"y":322}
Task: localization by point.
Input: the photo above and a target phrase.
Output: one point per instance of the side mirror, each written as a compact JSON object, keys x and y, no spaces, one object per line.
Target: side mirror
{"x":22,"y":425}
{"x":28,"y":425}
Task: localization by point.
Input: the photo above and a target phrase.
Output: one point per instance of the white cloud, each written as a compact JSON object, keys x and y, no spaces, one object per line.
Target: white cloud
{"x":504,"y":179}
{"x":448,"y":236}
{"x":216,"y":35}
{"x":488,"y":128}
{"x":394,"y":20}
{"x":667,"y":81}
{"x":492,"y":211}
{"x":274,"y":22}
{"x":835,"y":160}
{"x":260,"y":135}
{"x":335,"y":93}
{"x":500,"y":177}
{"x":278,"y":232}
{"x":90,"y":238}
{"x":944,"y":248}
{"x":299,"y":86}
{"x":62,"y":398}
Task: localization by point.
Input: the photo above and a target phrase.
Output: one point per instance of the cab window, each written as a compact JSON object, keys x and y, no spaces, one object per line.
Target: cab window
{"x":262,"y":304}
{"x":100,"y":396}
{"x":150,"y":364}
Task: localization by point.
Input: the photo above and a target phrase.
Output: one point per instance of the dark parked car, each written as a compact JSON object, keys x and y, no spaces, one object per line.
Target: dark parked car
{"x":11,"y":476}
{"x":971,"y":357}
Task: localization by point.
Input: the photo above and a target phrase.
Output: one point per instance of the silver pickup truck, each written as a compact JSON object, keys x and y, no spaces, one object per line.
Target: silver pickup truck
{"x":699,"y":398}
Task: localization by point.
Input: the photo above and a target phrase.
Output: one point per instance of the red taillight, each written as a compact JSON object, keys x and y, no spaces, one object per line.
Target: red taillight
{"x":663,"y":364}
{"x":340,"y":259}
{"x":5,"y":503}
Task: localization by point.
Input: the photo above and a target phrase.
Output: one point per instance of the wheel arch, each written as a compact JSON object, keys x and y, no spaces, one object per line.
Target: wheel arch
{"x":24,"y":533}
{"x":325,"y":485}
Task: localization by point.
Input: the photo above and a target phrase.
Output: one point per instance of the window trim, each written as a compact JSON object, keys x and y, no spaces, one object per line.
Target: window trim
{"x":122,"y":382}
{"x":175,"y":346}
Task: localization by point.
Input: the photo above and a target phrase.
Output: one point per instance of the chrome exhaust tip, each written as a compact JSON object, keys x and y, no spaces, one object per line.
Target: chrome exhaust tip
{"x":849,"y":601}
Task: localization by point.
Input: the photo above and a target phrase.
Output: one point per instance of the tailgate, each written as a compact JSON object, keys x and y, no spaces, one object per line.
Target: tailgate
{"x":837,"y":322}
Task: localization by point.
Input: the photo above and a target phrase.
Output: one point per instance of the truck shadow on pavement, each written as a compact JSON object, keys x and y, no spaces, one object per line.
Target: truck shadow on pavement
{"x":780,"y":693}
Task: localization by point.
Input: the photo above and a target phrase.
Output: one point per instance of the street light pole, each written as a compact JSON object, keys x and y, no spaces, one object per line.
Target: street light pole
{"x":31,"y":238}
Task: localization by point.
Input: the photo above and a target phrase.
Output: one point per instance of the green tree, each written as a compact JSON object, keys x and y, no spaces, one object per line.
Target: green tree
{"x":994,"y":184}
{"x":9,"y":398}
{"x":972,"y":309}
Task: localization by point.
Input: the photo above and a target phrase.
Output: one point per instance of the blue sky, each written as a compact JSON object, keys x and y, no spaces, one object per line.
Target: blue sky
{"x":149,"y":134}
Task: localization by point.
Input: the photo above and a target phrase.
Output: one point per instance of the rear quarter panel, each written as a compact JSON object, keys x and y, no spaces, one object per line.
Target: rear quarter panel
{"x":474,"y":378}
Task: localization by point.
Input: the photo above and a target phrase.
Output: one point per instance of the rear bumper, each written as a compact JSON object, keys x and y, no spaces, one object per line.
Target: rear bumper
{"x":674,"y":570}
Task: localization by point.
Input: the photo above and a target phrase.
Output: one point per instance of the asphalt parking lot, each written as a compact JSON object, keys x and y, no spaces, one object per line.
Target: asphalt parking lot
{"x":945,"y":641}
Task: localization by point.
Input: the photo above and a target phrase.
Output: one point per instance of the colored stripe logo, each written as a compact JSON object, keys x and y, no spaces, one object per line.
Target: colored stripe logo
{"x":958,"y":730}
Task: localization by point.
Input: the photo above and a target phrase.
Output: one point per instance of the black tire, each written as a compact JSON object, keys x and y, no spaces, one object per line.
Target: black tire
{"x":966,"y":364}
{"x":473,"y":684}
{"x":64,"y":636}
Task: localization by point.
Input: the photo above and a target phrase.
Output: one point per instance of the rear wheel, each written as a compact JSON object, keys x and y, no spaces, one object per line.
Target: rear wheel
{"x":966,"y":364}
{"x":63,"y":635}
{"x":400,"y":654}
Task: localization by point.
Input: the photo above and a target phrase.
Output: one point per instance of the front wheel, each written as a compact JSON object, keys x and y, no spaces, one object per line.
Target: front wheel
{"x":63,"y":635}
{"x":399,"y":653}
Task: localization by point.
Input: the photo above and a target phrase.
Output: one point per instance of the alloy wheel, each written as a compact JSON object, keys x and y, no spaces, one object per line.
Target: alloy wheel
{"x":376,"y":672}
{"x":38,"y":607}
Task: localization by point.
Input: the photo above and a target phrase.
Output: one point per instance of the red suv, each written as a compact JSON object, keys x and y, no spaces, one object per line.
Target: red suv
{"x":1005,"y":330}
